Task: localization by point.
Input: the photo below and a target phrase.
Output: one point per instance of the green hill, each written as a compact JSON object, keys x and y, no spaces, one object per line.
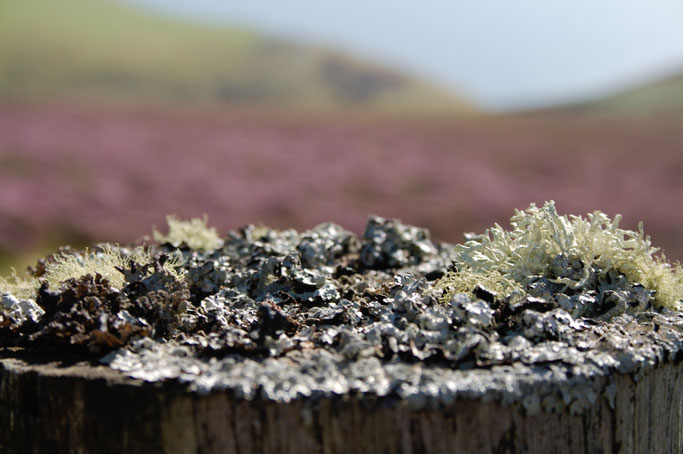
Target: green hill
{"x":663,"y":97}
{"x":98,"y":50}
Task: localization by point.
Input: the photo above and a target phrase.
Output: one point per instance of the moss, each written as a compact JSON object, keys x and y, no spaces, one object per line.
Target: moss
{"x":591,"y":247}
{"x":193,"y":233}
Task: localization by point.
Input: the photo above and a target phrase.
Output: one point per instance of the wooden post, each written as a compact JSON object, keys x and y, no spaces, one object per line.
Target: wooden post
{"x":53,"y":407}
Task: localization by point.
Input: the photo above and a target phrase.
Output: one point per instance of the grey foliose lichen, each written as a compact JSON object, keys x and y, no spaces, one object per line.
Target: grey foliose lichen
{"x":389,"y":244}
{"x":283,"y":315}
{"x":324,"y":313}
{"x":18,"y":310}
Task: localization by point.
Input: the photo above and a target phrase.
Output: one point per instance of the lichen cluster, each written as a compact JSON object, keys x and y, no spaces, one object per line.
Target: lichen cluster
{"x":541,"y":314}
{"x":106,"y":260}
{"x":195,"y":234}
{"x":580,"y":254}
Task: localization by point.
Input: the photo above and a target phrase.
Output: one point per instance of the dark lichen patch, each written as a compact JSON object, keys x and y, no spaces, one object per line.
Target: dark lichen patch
{"x":86,"y":315}
{"x":83,"y":316}
{"x":286,"y":315}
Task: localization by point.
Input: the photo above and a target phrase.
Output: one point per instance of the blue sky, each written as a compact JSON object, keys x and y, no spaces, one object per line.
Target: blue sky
{"x":501,"y":54}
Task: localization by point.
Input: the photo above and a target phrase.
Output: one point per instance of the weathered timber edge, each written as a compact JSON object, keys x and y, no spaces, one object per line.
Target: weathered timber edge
{"x":55,"y":408}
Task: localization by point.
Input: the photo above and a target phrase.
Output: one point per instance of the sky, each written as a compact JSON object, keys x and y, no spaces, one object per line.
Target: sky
{"x":502,"y":55}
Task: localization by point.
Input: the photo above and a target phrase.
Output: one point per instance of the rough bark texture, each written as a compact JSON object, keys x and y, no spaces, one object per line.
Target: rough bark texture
{"x":52,"y":407}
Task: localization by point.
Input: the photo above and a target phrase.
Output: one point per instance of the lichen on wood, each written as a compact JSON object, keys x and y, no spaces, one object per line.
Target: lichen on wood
{"x":542,"y":316}
{"x":194,"y":233}
{"x":580,"y":254}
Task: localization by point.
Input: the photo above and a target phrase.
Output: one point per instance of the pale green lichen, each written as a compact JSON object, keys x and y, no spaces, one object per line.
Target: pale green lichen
{"x":106,"y":260}
{"x":507,"y":261}
{"x":21,"y":288}
{"x":194,"y":233}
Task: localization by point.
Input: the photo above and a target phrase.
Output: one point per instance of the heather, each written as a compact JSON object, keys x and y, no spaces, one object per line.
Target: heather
{"x":78,"y":174}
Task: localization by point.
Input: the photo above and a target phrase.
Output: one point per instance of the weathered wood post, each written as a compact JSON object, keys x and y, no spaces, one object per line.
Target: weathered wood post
{"x":50,"y":407}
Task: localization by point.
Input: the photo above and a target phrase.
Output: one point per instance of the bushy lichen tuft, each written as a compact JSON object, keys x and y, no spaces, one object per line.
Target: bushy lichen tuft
{"x":589,"y":249}
{"x":194,"y":233}
{"x":18,"y":286}
{"x":106,"y":260}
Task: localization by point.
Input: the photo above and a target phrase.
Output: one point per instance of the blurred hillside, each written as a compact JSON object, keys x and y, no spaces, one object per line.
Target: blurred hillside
{"x":95,"y":50}
{"x":662,"y":97}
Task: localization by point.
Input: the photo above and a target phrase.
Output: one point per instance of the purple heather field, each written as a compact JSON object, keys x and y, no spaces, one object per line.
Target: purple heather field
{"x":79,"y":174}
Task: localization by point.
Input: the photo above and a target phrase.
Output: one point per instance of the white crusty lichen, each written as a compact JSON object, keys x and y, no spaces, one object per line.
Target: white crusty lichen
{"x":590,"y":248}
{"x":107,"y":260}
{"x":19,"y":310}
{"x":195,"y":234}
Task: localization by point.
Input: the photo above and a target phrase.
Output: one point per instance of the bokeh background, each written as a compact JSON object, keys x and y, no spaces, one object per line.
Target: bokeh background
{"x":448,"y":115}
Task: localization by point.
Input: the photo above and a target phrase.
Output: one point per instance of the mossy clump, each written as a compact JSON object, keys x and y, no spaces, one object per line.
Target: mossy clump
{"x":195,"y":234}
{"x":575,"y":252}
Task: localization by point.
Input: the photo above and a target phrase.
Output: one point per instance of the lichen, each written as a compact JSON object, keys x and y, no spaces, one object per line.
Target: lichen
{"x":17,"y":286}
{"x":282,"y":315}
{"x":575,"y":252}
{"x":195,"y":234}
{"x":107,"y":260}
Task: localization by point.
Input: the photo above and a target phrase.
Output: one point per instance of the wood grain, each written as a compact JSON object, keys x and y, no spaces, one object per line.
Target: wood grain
{"x":53,"y":407}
